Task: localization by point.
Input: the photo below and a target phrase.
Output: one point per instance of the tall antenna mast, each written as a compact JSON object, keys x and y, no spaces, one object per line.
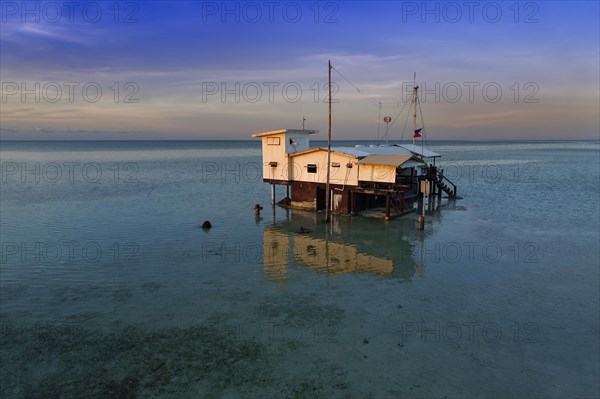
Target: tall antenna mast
{"x":378,"y":122}
{"x":303,"y":120}
{"x":328,"y":153}
{"x":414,"y":101}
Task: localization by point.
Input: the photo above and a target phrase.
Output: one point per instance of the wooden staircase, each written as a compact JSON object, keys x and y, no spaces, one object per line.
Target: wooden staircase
{"x":449,"y":188}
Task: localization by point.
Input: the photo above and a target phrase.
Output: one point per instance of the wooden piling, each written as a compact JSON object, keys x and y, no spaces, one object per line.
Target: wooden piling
{"x":272,"y":194}
{"x":401,"y":203}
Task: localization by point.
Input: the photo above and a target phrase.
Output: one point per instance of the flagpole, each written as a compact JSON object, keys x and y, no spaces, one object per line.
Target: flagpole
{"x":423,"y":129}
{"x":415,"y":88}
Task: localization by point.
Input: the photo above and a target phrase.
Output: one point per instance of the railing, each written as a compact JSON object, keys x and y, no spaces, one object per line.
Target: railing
{"x":441,"y":180}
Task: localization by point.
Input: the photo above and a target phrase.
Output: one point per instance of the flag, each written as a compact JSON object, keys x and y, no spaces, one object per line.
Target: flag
{"x":418,"y":133}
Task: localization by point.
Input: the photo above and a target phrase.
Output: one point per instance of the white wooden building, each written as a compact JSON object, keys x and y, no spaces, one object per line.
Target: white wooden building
{"x":360,"y":177}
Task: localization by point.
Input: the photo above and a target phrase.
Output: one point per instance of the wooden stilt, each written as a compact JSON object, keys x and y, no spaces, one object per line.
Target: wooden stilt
{"x":401,"y":203}
{"x":272,"y":194}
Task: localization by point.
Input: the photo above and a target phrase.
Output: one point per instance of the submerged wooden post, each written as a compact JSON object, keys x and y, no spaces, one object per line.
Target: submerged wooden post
{"x":421,"y":220}
{"x":431,"y":188}
{"x":287,"y":191}
{"x":401,"y":203}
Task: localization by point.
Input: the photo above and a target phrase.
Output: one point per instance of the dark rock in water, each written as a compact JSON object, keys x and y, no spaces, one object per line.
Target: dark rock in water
{"x":285,"y":202}
{"x":303,"y":230}
{"x":206,"y":225}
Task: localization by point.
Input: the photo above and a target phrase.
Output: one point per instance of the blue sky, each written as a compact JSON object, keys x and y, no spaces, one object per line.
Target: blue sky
{"x":224,"y":70}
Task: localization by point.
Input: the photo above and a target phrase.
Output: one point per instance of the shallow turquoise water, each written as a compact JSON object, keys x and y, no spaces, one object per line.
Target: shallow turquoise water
{"x":109,"y":287}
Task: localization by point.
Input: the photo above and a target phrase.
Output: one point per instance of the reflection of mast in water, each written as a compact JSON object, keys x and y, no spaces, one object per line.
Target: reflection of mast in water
{"x":420,"y":269}
{"x":275,"y":255}
{"x":327,"y":248}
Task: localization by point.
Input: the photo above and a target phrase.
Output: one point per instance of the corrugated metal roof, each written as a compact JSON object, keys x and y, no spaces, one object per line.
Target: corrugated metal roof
{"x":418,"y":150}
{"x":306,"y":151}
{"x":375,"y":159}
{"x":388,"y":150}
{"x":294,"y":154}
{"x":355,"y":152}
{"x":292,"y":131}
{"x":363,"y":151}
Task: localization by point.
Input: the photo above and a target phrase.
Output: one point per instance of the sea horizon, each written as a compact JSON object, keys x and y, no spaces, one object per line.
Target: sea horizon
{"x":313,"y":141}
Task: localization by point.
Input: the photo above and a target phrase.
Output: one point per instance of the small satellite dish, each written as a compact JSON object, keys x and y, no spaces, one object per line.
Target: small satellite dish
{"x":387,"y":121}
{"x":294,"y":144}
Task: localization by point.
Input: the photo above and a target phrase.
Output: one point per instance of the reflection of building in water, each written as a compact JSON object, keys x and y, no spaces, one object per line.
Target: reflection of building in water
{"x":276,"y":253}
{"x":281,"y":247}
{"x":337,"y":258}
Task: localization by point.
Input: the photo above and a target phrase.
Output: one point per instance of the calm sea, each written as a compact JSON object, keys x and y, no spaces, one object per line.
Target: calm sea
{"x":109,"y":288}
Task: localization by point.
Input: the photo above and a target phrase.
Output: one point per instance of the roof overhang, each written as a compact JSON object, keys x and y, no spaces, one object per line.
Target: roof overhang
{"x":412,"y":163}
{"x":315,"y":149}
{"x":419,"y":150}
{"x":280,"y":131}
{"x":363,"y":151}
